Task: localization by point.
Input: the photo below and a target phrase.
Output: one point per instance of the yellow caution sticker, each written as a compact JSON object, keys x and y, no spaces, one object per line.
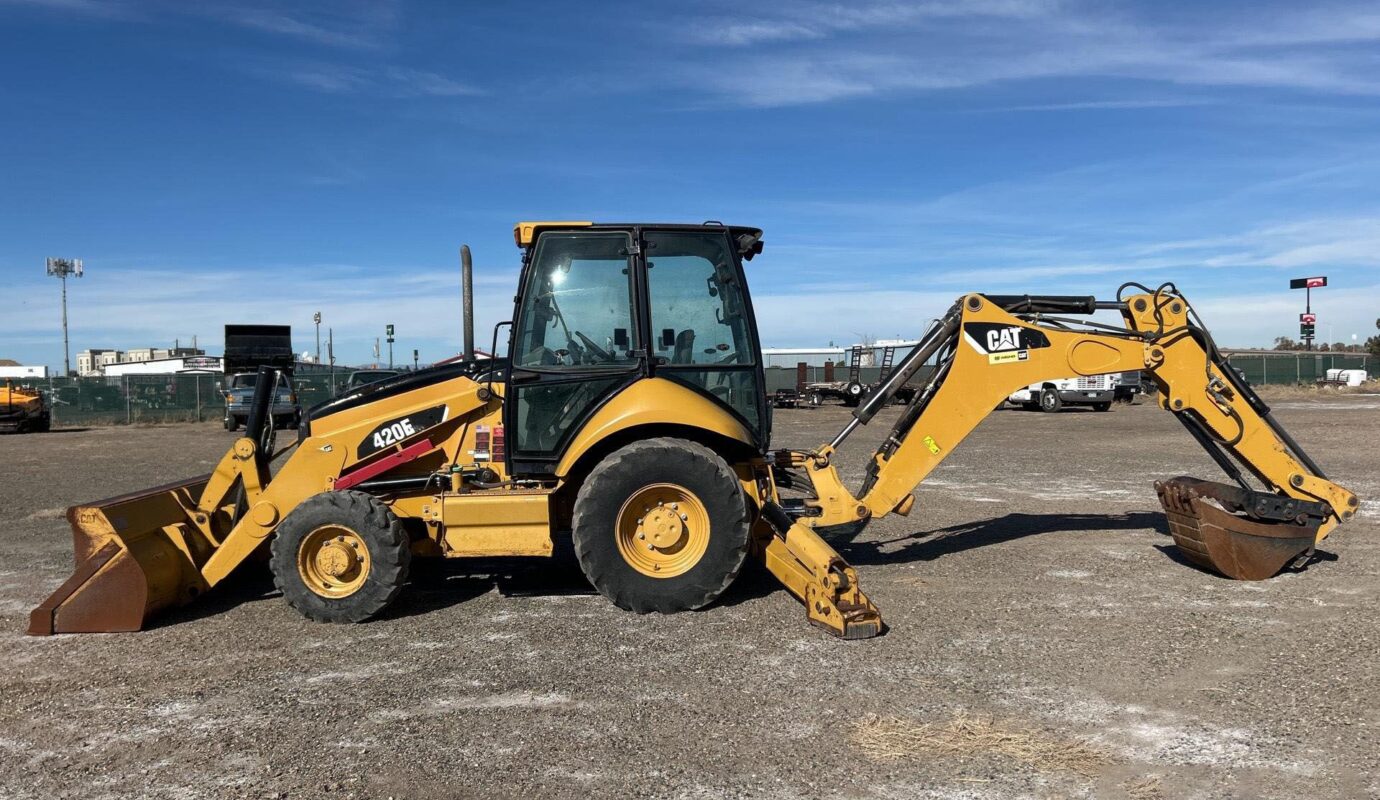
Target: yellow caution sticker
{"x":931,"y":444}
{"x":1008,"y":357}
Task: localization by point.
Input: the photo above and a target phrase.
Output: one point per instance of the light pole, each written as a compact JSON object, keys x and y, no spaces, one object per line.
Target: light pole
{"x":390,"y":346}
{"x":317,"y":319}
{"x":62,"y":267}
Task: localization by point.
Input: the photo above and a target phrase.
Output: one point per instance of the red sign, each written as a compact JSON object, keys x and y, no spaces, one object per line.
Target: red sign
{"x":1308,"y":319}
{"x":1308,"y":283}
{"x":1314,"y":283}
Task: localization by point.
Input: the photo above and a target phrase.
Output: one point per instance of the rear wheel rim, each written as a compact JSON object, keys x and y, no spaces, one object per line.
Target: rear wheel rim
{"x":333,"y":561}
{"x":662,"y":530}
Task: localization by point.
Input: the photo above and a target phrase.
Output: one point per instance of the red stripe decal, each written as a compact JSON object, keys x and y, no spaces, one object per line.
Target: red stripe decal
{"x":412,"y":451}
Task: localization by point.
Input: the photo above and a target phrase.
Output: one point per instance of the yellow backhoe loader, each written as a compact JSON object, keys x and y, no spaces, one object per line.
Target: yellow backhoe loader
{"x":631,"y":416}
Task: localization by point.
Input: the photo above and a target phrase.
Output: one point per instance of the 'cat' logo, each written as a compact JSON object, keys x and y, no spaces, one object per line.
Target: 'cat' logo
{"x":1003,"y":339}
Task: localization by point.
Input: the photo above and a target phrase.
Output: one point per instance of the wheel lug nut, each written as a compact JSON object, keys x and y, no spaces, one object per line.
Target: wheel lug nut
{"x":641,"y":535}
{"x":651,"y":546}
{"x":684,"y":517}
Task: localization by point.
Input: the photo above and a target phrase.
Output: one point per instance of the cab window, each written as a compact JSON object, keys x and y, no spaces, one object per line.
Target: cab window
{"x":577,"y":308}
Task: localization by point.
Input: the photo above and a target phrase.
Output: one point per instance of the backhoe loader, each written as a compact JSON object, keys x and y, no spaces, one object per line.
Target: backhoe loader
{"x":631,"y":416}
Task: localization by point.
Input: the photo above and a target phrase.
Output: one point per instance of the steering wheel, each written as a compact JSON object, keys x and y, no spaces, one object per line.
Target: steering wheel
{"x":594,"y":348}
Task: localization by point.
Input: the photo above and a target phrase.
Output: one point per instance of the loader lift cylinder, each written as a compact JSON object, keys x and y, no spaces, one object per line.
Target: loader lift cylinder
{"x":265,"y":386}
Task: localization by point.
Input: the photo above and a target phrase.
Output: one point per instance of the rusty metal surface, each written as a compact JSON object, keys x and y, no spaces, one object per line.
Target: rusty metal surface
{"x":1231,"y":545}
{"x":106,"y":593}
{"x":126,"y":565}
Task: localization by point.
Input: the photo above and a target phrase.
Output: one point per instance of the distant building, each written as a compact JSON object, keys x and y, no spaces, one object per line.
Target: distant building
{"x":93,"y":362}
{"x":790,"y":356}
{"x":21,"y":371}
{"x":99,"y":361}
{"x":166,"y":366}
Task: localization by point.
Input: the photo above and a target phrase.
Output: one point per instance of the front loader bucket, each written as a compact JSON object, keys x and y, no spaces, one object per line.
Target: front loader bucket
{"x":134,"y":556}
{"x":1232,"y":544}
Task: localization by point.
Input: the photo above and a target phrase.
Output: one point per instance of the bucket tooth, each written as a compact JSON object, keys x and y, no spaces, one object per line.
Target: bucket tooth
{"x":1230,"y":544}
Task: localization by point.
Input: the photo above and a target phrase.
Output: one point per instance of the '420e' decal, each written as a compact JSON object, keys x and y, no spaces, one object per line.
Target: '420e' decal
{"x":393,"y":431}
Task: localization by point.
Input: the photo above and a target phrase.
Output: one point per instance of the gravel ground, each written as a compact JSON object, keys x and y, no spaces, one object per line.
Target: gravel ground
{"x":1032,"y":595}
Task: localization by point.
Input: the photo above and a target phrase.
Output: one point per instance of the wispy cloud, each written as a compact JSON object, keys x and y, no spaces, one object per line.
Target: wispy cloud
{"x":332,"y":23}
{"x":384,"y":81}
{"x":337,"y":31}
{"x":811,"y":52}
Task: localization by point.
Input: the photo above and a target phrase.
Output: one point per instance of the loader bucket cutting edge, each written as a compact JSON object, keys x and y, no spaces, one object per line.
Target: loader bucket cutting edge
{"x":1226,"y":543}
{"x":130,"y":563}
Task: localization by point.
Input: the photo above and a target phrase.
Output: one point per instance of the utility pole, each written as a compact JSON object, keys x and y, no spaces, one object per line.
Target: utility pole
{"x":330,"y":354}
{"x":61,"y":268}
{"x":317,"y":319}
{"x":414,"y":360}
{"x":376,"y":352}
{"x":389,"y":331}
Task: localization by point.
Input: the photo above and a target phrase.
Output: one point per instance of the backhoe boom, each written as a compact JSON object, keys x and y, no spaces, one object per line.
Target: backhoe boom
{"x":987,"y":347}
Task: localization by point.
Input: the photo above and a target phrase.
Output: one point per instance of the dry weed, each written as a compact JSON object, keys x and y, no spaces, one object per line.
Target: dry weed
{"x":1147,"y":788}
{"x":886,"y":738}
{"x":1303,"y":391}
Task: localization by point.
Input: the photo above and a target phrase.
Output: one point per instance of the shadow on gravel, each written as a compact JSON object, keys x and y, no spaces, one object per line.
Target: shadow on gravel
{"x":437,"y":583}
{"x":68,"y":430}
{"x":930,"y":545}
{"x":250,"y":583}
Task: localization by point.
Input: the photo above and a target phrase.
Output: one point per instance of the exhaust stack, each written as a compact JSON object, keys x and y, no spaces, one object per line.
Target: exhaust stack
{"x":467,"y":298}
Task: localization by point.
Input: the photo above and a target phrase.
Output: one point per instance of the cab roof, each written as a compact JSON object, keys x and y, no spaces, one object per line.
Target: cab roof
{"x":749,"y":239}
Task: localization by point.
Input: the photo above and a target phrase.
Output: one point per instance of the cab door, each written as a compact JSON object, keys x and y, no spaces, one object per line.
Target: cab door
{"x":702,"y":331}
{"x":575,"y":341}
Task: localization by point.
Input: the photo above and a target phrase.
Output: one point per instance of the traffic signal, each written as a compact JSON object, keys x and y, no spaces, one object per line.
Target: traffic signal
{"x":389,"y":329}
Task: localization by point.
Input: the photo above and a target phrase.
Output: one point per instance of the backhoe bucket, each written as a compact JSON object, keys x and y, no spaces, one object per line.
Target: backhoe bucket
{"x":1213,"y":533}
{"x":134,"y":556}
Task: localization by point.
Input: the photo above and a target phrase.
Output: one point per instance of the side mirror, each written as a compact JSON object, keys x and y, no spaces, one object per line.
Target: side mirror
{"x":668,"y":338}
{"x":620,"y":338}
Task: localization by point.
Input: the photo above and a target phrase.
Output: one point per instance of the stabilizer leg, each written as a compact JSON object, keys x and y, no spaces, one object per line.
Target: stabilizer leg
{"x":814,"y":572}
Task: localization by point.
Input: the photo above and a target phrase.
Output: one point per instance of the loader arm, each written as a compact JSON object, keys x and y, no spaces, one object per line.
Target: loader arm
{"x":987,"y":347}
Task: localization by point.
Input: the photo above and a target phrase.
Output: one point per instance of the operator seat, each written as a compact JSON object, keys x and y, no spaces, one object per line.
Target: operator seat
{"x":685,"y":347}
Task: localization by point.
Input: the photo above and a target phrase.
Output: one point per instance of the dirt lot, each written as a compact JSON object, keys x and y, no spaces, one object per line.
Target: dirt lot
{"x":1044,"y":641}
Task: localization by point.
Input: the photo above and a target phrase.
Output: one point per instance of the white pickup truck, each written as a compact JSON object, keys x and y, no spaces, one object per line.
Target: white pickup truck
{"x":1097,"y":391}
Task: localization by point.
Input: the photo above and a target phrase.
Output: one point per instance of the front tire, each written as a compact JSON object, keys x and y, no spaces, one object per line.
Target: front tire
{"x":1050,"y":402}
{"x":1102,"y":406}
{"x":232,"y":424}
{"x":661,"y":525}
{"x":340,"y":557}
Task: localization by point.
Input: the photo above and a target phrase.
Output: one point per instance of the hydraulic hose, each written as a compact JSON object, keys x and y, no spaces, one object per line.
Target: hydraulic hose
{"x":916,"y":358}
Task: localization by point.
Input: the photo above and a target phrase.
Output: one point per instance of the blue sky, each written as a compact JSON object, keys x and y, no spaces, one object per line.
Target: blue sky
{"x":248,"y":161}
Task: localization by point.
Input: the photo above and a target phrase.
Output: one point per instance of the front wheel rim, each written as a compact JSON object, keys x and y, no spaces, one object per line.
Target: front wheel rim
{"x":333,"y":561}
{"x":662,"y":530}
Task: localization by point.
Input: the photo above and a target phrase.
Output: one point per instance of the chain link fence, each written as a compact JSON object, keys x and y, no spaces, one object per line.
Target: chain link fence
{"x":1264,"y":369}
{"x":1261,"y":369}
{"x":198,"y":397}
{"x":181,"y":397}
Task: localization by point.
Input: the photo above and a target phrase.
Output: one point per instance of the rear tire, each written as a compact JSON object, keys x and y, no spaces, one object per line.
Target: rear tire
{"x":1050,"y":402}
{"x":340,"y":557}
{"x":692,"y":553}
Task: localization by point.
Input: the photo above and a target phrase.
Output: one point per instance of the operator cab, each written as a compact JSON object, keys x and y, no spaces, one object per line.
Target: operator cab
{"x":601,"y":307}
